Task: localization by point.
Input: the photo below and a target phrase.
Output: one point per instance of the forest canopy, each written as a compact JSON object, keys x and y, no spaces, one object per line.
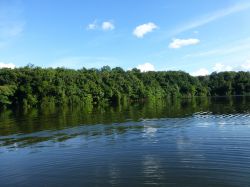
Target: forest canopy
{"x":33,"y":86}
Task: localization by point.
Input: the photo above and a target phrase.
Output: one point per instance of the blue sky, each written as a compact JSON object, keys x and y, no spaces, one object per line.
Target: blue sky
{"x":195,"y":36}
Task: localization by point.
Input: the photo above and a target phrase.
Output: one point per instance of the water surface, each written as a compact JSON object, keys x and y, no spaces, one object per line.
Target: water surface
{"x":180,"y":143}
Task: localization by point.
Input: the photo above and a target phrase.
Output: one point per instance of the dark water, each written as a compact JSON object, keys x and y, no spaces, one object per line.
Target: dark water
{"x":182,"y":143}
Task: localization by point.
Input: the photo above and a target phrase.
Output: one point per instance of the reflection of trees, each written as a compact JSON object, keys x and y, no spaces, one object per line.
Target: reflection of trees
{"x":56,"y":118}
{"x":88,"y":131}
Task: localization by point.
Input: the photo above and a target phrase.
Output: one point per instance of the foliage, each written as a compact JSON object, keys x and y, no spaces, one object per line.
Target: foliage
{"x":34,"y":86}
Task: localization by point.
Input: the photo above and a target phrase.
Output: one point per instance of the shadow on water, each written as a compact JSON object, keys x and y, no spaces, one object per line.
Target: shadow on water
{"x":57,"y":124}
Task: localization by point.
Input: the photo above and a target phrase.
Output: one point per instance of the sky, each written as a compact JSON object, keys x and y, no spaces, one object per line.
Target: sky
{"x":195,"y":36}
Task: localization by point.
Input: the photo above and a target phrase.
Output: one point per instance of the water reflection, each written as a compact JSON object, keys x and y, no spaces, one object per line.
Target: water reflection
{"x":114,"y":175}
{"x":152,"y":170}
{"x":25,"y":128}
{"x":198,"y":142}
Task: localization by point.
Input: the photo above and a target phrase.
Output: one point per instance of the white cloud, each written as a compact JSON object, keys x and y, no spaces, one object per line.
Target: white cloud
{"x":200,"y":72}
{"x":213,"y":17}
{"x":178,"y":43}
{"x":7,"y":65}
{"x":246,"y":66}
{"x":92,"y":26}
{"x":146,"y":67}
{"x":221,"y":67}
{"x":107,"y":25}
{"x":143,"y":29}
{"x":243,"y":67}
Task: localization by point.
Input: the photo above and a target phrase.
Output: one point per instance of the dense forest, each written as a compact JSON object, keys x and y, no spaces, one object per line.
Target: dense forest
{"x":34,"y":86}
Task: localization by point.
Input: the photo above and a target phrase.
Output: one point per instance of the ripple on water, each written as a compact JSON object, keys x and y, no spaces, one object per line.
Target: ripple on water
{"x":204,"y":149}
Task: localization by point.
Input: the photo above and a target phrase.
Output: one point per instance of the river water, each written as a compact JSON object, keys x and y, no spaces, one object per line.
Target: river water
{"x":201,"y":142}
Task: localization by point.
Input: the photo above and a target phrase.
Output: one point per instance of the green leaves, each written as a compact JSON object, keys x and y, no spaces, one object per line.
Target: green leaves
{"x":6,"y":92}
{"x":33,"y":86}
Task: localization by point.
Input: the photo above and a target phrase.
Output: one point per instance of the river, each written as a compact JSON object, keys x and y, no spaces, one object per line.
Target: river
{"x":179,"y":143}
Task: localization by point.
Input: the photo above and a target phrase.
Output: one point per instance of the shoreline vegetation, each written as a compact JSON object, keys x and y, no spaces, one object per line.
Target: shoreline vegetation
{"x":32,"y":86}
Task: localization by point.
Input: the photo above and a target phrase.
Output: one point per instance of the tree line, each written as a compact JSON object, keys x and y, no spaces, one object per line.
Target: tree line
{"x":32,"y":86}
